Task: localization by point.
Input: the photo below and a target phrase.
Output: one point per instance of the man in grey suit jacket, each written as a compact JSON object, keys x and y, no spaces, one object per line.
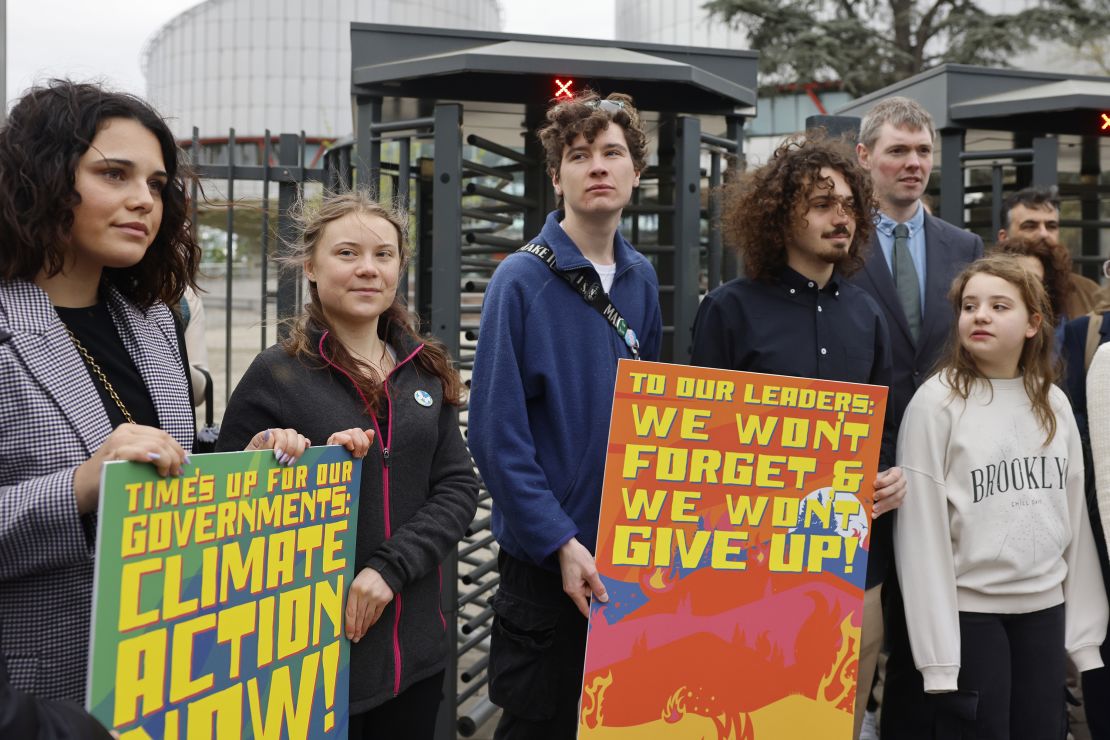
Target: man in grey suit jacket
{"x":913,"y":260}
{"x":896,"y":146}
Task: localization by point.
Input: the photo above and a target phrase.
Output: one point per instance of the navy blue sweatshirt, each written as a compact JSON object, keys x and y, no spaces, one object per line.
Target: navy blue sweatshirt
{"x":542,"y":392}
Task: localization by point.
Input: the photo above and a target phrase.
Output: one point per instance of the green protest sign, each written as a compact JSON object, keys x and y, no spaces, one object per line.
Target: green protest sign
{"x":219,"y":594}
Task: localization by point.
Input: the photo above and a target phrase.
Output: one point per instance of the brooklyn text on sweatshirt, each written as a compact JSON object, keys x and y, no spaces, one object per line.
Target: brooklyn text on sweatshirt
{"x":994,"y":521}
{"x":1018,"y":474}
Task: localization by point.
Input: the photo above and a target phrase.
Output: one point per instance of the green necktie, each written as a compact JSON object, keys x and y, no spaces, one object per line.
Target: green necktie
{"x":905,"y":279}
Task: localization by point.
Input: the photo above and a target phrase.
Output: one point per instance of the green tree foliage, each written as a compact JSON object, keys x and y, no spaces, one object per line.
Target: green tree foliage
{"x":868,"y":44}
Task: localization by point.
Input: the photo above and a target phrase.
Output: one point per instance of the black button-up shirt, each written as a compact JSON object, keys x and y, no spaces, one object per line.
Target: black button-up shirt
{"x":792,"y":327}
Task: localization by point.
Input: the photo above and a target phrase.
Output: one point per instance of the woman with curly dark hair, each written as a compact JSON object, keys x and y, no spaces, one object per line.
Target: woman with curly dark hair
{"x":354,"y":371}
{"x":94,"y":243}
{"x":1050,"y":262}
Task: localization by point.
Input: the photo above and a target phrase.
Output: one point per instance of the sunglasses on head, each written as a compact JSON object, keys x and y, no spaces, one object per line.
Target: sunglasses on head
{"x":610,"y":106}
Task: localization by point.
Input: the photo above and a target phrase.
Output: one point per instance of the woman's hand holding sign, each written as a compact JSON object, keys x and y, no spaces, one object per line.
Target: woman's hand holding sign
{"x":367,"y":599}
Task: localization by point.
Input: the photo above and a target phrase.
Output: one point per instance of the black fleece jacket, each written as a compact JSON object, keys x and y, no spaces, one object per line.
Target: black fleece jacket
{"x":429,"y":490}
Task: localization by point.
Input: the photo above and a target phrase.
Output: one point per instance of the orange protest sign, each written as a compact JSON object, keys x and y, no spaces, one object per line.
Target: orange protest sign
{"x":733,"y":545}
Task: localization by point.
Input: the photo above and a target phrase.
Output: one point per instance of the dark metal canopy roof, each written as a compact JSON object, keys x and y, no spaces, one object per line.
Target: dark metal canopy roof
{"x":434,"y":64}
{"x":967,"y":97}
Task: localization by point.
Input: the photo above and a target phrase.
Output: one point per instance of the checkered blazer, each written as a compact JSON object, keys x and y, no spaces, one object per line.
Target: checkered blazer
{"x":51,"y":420}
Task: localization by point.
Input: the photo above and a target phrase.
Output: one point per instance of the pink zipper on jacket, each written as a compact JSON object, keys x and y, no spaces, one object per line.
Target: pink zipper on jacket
{"x":439,"y":603}
{"x":383,"y":442}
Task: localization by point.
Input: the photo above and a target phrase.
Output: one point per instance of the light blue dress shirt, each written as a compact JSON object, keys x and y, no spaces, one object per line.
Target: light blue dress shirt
{"x":884,"y":229}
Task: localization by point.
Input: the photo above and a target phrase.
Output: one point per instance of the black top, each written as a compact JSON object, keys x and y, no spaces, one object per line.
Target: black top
{"x":96,"y":331}
{"x":25,"y":716}
{"x":1075,"y":363}
{"x":792,"y":327}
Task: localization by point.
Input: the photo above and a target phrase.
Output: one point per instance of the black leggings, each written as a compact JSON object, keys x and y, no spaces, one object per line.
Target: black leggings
{"x":1017,"y":664}
{"x":1096,"y":697}
{"x":1011,"y":684}
{"x":411,"y":714}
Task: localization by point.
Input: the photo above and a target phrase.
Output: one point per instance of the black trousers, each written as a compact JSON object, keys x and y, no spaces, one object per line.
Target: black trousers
{"x":537,"y":652}
{"x":1096,"y":683}
{"x":1096,"y":697}
{"x":410,"y":715}
{"x":1011,"y":684}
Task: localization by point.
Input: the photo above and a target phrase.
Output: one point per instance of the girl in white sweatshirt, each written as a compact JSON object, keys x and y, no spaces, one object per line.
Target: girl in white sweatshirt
{"x":993,"y":546}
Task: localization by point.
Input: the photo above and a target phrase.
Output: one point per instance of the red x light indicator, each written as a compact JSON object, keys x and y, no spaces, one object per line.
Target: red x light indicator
{"x":1105,"y":122}
{"x":563,"y":90}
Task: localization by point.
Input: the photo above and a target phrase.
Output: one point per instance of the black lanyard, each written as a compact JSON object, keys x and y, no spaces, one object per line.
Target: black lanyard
{"x":592,"y":293}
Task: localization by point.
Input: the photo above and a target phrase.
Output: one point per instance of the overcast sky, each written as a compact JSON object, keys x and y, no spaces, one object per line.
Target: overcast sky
{"x":103,"y":39}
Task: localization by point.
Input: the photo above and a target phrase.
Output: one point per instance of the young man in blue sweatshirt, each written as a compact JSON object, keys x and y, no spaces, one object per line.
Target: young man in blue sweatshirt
{"x":541,"y":393}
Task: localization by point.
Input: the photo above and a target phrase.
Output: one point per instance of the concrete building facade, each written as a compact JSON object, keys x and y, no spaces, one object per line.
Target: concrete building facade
{"x":277,"y":64}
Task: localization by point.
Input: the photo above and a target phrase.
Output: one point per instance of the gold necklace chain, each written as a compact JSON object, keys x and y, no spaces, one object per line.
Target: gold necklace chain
{"x":100,"y":374}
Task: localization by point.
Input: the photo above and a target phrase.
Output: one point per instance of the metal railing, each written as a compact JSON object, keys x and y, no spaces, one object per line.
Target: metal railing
{"x":470,"y":204}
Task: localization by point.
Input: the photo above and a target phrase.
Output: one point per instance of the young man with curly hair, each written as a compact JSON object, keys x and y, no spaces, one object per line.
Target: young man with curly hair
{"x":800,"y":223}
{"x":558,"y":315}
